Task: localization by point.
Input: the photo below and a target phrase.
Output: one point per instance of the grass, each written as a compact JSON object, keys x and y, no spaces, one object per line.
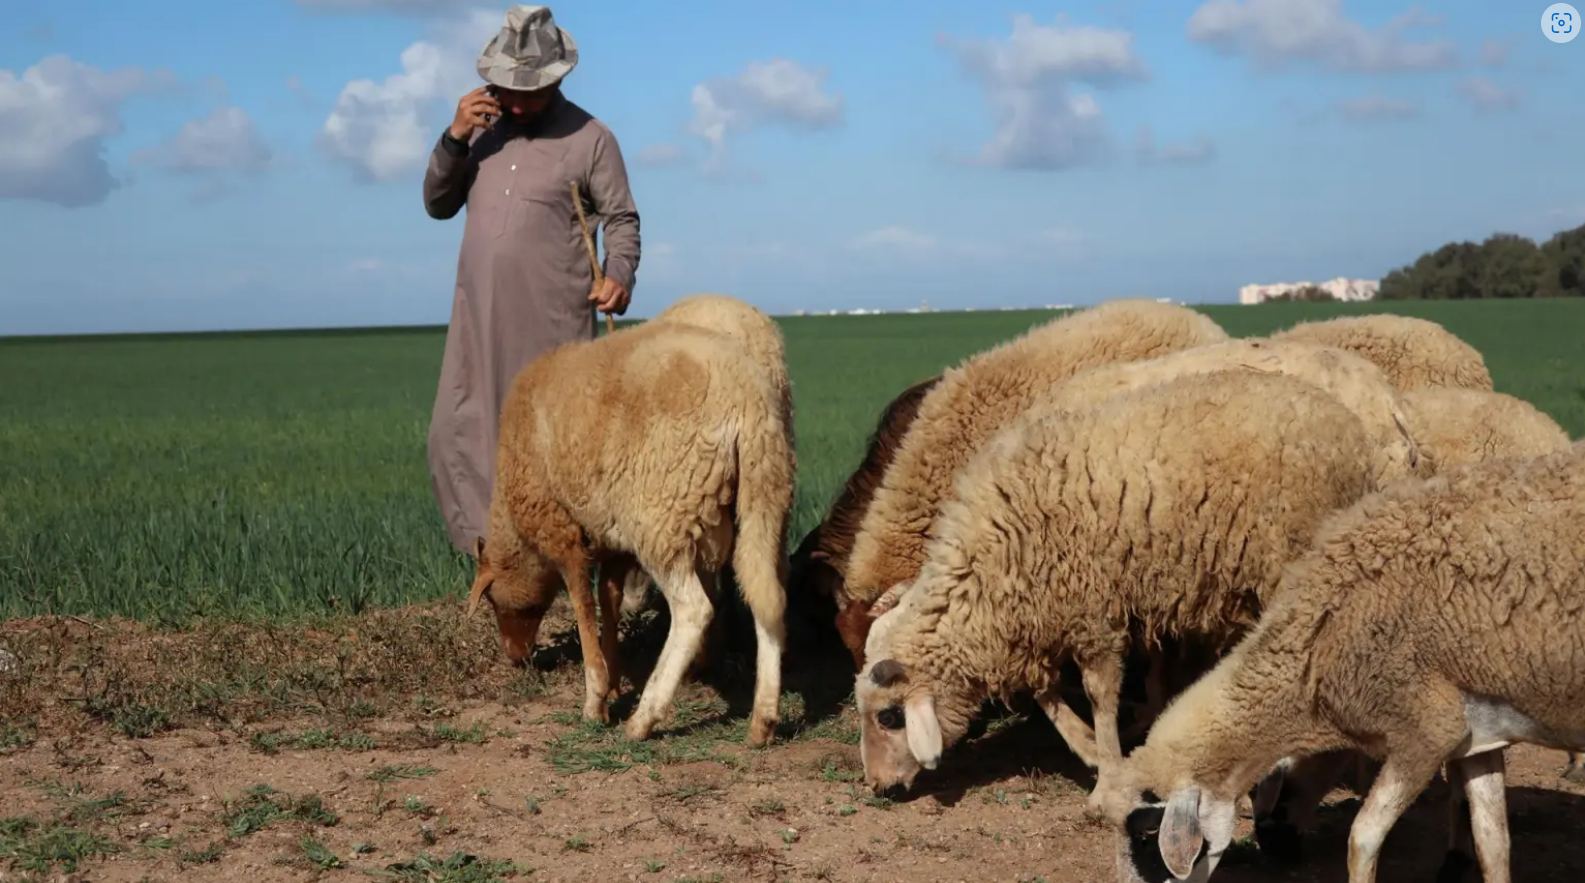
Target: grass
{"x":282,"y":476}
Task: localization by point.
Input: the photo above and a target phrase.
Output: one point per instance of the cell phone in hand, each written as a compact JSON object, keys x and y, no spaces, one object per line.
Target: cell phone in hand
{"x":494,"y":92}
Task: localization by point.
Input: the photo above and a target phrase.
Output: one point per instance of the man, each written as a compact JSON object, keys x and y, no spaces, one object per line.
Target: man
{"x":524,"y":284}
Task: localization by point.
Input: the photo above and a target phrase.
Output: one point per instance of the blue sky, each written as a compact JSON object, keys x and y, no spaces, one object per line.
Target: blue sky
{"x":164,"y":165}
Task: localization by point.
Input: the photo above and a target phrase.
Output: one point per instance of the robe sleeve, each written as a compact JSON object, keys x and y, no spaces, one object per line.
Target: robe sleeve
{"x":613,"y":201}
{"x":448,"y":178}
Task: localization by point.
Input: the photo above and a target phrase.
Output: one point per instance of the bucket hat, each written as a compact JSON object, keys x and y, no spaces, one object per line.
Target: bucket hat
{"x":530,"y":52}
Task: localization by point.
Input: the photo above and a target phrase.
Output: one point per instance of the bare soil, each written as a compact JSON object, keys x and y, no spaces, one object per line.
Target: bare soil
{"x":400,"y":746}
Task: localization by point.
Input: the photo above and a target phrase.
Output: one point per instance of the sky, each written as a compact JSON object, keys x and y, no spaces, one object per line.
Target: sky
{"x":182,"y":165}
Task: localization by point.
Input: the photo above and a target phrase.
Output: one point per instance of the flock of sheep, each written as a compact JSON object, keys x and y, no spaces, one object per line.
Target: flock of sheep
{"x":1333,"y":546}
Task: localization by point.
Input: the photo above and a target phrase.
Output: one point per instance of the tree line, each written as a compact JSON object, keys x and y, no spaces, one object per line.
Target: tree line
{"x":1505,"y":265}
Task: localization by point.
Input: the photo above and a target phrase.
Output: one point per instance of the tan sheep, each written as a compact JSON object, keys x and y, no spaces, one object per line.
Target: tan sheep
{"x":978,"y":397}
{"x":1415,"y":353}
{"x":1454,"y":427}
{"x":641,"y":445}
{"x":1164,"y":510}
{"x":1435,"y":622}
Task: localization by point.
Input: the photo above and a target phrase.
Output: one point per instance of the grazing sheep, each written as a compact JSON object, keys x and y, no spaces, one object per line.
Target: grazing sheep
{"x":647,"y":443}
{"x":1434,"y":622}
{"x":1164,"y":510}
{"x":978,"y":397}
{"x":761,"y":336}
{"x":818,"y":564}
{"x":1415,"y":353}
{"x":1454,"y":427}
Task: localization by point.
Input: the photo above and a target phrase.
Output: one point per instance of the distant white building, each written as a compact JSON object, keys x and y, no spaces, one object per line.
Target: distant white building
{"x":1340,"y":289}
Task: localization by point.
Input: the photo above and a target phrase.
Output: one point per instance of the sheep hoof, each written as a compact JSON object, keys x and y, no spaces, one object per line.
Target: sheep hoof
{"x":637,"y":728}
{"x":597,"y":710}
{"x":1095,"y":806}
{"x":1575,"y":773}
{"x":761,"y":731}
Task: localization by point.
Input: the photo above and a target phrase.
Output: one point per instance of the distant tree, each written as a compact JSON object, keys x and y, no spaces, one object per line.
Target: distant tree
{"x":1505,"y":265}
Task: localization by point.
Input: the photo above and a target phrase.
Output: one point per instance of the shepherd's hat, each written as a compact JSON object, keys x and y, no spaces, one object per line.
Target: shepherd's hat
{"x":531,"y":51}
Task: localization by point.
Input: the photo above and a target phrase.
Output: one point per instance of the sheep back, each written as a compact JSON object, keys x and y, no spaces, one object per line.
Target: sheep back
{"x":980,"y":395}
{"x":1415,"y":353}
{"x":1358,"y":383}
{"x":750,"y":327}
{"x":636,"y":435}
{"x":1457,"y":426}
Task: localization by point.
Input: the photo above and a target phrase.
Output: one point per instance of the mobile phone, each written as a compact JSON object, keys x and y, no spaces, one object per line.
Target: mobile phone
{"x":493,"y":91}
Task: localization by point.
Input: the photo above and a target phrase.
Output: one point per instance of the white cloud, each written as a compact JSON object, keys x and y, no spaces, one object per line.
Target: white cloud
{"x":1376,"y":108}
{"x":224,"y":140}
{"x":776,"y":91}
{"x":386,"y":130}
{"x":661,"y":155}
{"x":1273,"y":32}
{"x":1197,"y":152}
{"x":54,"y":120}
{"x":1486,"y":96}
{"x":1041,"y":122}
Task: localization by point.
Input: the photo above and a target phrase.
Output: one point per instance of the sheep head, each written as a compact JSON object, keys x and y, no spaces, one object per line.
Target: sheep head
{"x":1181,"y":838}
{"x":520,"y":587}
{"x":900,"y":730}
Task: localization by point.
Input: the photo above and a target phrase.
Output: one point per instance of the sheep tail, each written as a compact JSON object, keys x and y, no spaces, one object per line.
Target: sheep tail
{"x":765,"y":462}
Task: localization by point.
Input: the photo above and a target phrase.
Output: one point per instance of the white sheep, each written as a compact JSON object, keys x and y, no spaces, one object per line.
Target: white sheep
{"x":1415,"y":353}
{"x":1434,"y":622}
{"x":1163,"y":510}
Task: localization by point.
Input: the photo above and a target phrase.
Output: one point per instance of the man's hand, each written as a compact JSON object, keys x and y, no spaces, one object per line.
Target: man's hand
{"x":610,"y":297}
{"x":470,"y":113}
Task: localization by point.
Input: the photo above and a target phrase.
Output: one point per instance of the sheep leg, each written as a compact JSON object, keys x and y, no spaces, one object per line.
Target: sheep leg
{"x":596,"y":678}
{"x":1072,"y":728}
{"x":613,"y":580}
{"x":1286,"y":801}
{"x":1400,"y":781}
{"x":1103,"y":683}
{"x":1575,"y":771}
{"x":1486,"y":823}
{"x":690,"y":615}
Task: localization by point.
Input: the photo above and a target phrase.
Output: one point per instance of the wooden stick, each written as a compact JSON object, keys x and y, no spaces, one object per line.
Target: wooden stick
{"x":588,"y":245}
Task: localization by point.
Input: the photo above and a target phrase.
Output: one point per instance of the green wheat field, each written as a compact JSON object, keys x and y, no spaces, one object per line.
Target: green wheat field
{"x":281,"y":475}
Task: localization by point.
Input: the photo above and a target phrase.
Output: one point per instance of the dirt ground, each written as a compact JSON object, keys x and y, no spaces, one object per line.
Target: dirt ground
{"x":403,"y":748}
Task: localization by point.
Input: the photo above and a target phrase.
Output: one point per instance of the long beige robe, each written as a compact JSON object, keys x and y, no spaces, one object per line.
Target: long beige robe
{"x":523,"y":279}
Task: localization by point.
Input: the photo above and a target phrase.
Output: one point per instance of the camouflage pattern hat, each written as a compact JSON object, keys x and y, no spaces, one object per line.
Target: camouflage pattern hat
{"x":530,"y":52}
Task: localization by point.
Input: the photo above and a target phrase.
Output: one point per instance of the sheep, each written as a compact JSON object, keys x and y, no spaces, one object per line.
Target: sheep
{"x":1415,"y":353}
{"x":976,"y":398}
{"x":818,"y":564}
{"x":648,"y":445}
{"x":1433,"y":622}
{"x":1167,"y":509}
{"x":1454,"y":427}
{"x":1357,"y":383}
{"x":761,"y":336}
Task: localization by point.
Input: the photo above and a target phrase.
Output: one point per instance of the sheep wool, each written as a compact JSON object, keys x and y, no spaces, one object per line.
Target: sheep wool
{"x":644,"y":445}
{"x":1456,"y":426}
{"x":1435,"y":621}
{"x":979,"y":396}
{"x":1415,"y":353}
{"x":1170,"y":508}
{"x":750,"y":327}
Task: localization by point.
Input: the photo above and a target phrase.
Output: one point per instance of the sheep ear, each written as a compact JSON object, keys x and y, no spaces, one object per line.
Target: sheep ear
{"x":483,"y":578}
{"x":1180,"y":838}
{"x":887,"y":600}
{"x":924,"y":730}
{"x":887,"y":672}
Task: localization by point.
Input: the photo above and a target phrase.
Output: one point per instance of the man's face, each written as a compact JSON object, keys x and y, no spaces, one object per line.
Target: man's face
{"x":522,"y":104}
